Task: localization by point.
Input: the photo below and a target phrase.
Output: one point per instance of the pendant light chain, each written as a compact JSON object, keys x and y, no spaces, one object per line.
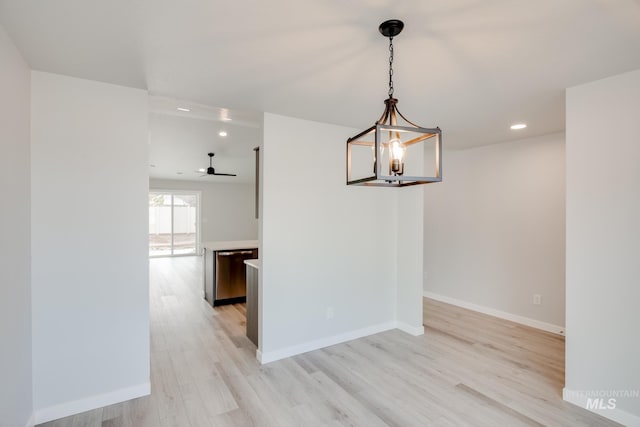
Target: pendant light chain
{"x":390,"y":67}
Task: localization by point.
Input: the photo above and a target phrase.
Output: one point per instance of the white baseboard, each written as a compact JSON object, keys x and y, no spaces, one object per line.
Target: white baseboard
{"x":272,"y":356}
{"x":411,"y":330}
{"x":548,"y":327}
{"x":579,"y":399}
{"x":75,"y":407}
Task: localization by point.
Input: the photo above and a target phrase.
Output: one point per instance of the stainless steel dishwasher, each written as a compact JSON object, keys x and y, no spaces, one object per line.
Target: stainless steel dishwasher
{"x":230,"y":276}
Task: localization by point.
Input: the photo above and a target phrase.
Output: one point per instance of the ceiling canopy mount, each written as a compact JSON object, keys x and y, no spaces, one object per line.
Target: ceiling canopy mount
{"x":391,"y":28}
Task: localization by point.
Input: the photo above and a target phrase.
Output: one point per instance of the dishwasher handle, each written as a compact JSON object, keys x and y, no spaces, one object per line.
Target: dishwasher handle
{"x":231,"y":253}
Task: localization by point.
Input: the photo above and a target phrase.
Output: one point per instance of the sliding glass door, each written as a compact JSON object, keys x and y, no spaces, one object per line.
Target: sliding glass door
{"x":174,"y":223}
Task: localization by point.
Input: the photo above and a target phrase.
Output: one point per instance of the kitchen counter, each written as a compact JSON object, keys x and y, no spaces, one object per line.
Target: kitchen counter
{"x":255,"y":263}
{"x":229,"y":245}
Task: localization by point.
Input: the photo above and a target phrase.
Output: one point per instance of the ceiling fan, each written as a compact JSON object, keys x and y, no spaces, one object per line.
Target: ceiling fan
{"x":212,"y":171}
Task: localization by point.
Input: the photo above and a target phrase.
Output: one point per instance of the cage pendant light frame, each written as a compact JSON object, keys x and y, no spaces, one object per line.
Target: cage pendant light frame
{"x":400,"y":152}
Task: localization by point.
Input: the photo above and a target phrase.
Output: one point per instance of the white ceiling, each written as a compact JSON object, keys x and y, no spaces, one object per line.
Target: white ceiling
{"x":472,"y":67}
{"x":179,"y":141}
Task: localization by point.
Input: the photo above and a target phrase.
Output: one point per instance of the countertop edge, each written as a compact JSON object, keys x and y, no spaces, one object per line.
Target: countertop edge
{"x":255,"y":263}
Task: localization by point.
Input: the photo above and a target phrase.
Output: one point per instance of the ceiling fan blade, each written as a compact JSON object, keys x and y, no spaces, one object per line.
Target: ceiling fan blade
{"x":225,"y":174}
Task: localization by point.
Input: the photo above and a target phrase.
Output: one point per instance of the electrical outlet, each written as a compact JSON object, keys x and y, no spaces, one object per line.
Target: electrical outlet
{"x":537,"y":299}
{"x":330,"y":313}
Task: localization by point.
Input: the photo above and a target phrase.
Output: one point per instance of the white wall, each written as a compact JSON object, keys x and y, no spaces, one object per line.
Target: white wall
{"x":16,"y":403}
{"x":324,"y":245}
{"x":603,"y":239}
{"x":227,"y":210}
{"x":89,"y":244}
{"x":409,"y":259}
{"x":495,"y":229}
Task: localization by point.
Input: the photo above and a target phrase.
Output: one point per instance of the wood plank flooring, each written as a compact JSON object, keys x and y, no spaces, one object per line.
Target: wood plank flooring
{"x":468,"y":369}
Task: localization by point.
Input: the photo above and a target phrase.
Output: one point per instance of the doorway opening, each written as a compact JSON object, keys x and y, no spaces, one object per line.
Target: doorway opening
{"x":174,"y":223}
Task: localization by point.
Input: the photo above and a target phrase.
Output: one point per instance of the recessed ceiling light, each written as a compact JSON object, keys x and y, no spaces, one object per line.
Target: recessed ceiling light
{"x":223,"y":133}
{"x":226,"y":119}
{"x":518,"y":126}
{"x":186,"y":110}
{"x":202,"y":170}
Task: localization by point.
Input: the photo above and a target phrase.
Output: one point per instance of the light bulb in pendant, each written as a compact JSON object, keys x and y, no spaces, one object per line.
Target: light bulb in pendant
{"x":396,"y":153}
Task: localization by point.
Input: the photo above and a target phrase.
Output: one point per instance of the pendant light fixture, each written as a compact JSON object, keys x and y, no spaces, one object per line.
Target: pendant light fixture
{"x":394,"y":152}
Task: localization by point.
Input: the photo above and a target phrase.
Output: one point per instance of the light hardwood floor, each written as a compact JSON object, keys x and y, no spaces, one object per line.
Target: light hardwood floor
{"x":468,"y":369}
